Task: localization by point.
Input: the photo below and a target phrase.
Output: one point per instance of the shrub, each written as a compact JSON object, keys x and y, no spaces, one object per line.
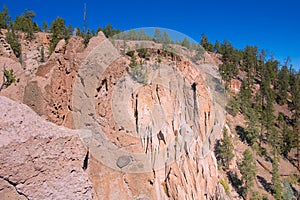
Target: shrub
{"x":130,"y":53}
{"x":9,"y":78}
{"x":13,"y":39}
{"x":224,"y":183}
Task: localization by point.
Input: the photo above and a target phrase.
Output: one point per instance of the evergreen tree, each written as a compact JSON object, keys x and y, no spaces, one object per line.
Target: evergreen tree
{"x":166,"y":38}
{"x":186,"y":43}
{"x":206,"y":44}
{"x":45,"y":27}
{"x":24,"y":23}
{"x":132,"y":35}
{"x":287,"y":191}
{"x":13,"y":39}
{"x":248,"y":170}
{"x":217,"y":47}
{"x":245,"y":96}
{"x":59,"y":32}
{"x":250,"y":61}
{"x":157,"y":36}
{"x":295,"y":108}
{"x":141,"y":35}
{"x":36,"y":27}
{"x":251,"y":131}
{"x":99,"y":29}
{"x":289,"y":140}
{"x":225,"y":151}
{"x":108,"y":30}
{"x":276,"y":182}
{"x":87,"y":38}
{"x":69,"y":31}
{"x":4,"y":18}
{"x":283,"y":84}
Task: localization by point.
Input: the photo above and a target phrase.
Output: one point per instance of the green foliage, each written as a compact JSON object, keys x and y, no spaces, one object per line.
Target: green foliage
{"x":217,"y":47}
{"x":8,"y":78}
{"x":45,"y":27}
{"x":143,"y":53}
{"x":186,"y":43}
{"x":166,"y":38}
{"x":4,"y":18}
{"x":224,"y":183}
{"x":287,"y":193}
{"x":24,"y":23}
{"x":200,"y":53}
{"x":276,"y":182}
{"x":205,"y":44}
{"x":59,"y":32}
{"x":283,"y":85}
{"x":157,"y":36}
{"x":245,"y":96}
{"x":87,"y":38}
{"x":13,"y":39}
{"x":289,"y":139}
{"x":42,"y":54}
{"x":248,"y":170}
{"x":233,"y":106}
{"x":109,"y":31}
{"x":138,"y":72}
{"x":250,"y":62}
{"x":256,"y":196}
{"x":225,"y":150}
{"x":130,"y":53}
{"x":251,"y":130}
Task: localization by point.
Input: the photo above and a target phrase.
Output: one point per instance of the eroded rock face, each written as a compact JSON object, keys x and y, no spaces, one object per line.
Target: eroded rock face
{"x":39,"y":160}
{"x":163,"y":125}
{"x":151,"y":140}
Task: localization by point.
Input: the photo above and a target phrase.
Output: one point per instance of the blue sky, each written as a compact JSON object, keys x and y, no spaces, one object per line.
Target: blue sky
{"x":271,"y":25}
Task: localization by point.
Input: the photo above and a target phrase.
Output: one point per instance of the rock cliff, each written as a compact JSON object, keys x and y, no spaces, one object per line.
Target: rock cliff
{"x":139,"y":132}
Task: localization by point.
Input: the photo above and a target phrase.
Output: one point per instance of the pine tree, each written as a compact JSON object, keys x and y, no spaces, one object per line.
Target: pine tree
{"x":248,"y":170}
{"x":157,"y":36}
{"x":186,"y":43}
{"x":45,"y":27}
{"x":283,"y":84}
{"x":166,"y":38}
{"x":13,"y":39}
{"x":59,"y":32}
{"x":276,"y":182}
{"x":245,"y":96}
{"x":217,"y":47}
{"x":295,"y":108}
{"x":108,"y":30}
{"x":24,"y":23}
{"x":251,"y":131}
{"x":87,"y":38}
{"x":225,"y":151}
{"x":4,"y":18}
{"x":287,"y":193}
{"x":132,"y":35}
{"x":289,"y":139}
{"x":250,"y":62}
{"x":206,"y":44}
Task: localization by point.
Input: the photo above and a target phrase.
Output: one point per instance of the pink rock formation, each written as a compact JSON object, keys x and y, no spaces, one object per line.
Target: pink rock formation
{"x":39,"y":160}
{"x":166,"y":127}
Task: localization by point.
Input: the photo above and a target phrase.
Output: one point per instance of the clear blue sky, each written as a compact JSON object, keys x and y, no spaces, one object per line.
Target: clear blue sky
{"x":271,"y":25}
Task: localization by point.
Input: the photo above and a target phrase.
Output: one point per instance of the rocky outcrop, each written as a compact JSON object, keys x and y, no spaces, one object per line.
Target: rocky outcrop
{"x":162,"y":129}
{"x":39,"y":160}
{"x":143,"y":139}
